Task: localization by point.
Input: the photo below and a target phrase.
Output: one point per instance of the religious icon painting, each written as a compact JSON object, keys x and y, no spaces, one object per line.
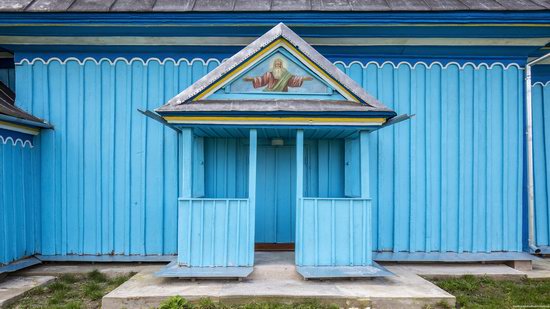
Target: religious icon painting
{"x":279,"y":73}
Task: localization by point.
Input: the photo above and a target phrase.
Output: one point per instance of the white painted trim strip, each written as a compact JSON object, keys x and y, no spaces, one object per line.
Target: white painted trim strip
{"x":541,"y":84}
{"x":212,"y":60}
{"x":243,"y":41}
{"x":15,"y":142}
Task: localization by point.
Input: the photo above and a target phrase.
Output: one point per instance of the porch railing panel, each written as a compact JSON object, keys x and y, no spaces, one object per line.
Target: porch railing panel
{"x":216,"y":232}
{"x":334,"y":232}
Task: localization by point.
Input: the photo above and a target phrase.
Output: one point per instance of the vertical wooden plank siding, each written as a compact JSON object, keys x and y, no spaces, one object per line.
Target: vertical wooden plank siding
{"x":366,"y":219}
{"x":541,"y":156}
{"x":299,"y":249}
{"x":19,"y":201}
{"x":252,"y":162}
{"x":216,"y":232}
{"x":185,"y":213}
{"x":419,"y":200}
{"x":326,"y":237}
{"x":7,"y":76}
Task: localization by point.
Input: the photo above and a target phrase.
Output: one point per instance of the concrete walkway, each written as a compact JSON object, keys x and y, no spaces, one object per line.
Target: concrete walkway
{"x":541,"y":269}
{"x":14,"y":287}
{"x":275,"y":278}
{"x":109,"y":269}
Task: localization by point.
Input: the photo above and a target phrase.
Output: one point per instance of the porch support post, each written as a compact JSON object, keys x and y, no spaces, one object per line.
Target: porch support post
{"x":365,"y":194}
{"x":252,"y":192}
{"x":186,"y":187}
{"x":299,"y":195}
{"x":364,"y":150}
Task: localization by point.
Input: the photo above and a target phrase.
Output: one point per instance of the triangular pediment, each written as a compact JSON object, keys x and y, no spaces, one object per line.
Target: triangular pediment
{"x":277,"y":75}
{"x":277,"y":66}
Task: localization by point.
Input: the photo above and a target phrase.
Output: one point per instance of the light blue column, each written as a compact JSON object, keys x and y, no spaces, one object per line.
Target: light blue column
{"x":364,"y":150}
{"x":365,"y":194}
{"x":299,"y":195}
{"x":186,"y":187}
{"x":252,"y":192}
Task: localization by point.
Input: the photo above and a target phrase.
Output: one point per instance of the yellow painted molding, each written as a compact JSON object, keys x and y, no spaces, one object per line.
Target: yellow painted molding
{"x":19,"y":128}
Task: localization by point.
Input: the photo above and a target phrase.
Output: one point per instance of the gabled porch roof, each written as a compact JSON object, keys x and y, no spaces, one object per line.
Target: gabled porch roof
{"x":218,"y":99}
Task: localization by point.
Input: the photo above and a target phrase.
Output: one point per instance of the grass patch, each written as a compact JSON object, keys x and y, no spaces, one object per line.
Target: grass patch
{"x":178,"y":302}
{"x":71,"y":291}
{"x":484,"y":292}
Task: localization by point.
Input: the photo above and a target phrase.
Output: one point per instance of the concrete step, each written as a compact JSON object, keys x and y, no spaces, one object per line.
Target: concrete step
{"x":275,"y":279}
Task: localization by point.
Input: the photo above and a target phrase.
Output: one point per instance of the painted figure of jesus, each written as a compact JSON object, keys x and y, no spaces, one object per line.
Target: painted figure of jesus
{"x":278,"y":79}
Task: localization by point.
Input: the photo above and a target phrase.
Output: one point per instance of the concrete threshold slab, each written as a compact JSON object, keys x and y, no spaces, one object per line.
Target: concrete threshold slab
{"x":452,"y":270}
{"x":541,"y":269}
{"x":275,"y":279}
{"x":175,"y":271}
{"x":14,"y":287}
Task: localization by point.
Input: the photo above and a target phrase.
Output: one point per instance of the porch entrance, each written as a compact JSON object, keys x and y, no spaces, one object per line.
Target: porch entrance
{"x":276,"y":196}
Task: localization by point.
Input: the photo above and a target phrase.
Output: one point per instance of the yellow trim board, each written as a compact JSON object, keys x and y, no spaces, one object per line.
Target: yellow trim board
{"x":273,"y":120}
{"x":19,"y":128}
{"x":280,"y":42}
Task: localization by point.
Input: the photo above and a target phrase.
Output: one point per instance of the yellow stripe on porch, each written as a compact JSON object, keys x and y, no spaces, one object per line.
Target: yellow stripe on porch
{"x":305,"y":120}
{"x":19,"y":128}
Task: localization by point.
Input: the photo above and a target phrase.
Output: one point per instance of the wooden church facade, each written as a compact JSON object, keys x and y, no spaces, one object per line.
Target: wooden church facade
{"x":155,"y":151}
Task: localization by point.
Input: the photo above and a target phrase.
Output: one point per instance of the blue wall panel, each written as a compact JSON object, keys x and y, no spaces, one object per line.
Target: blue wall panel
{"x":450,"y":179}
{"x":7,"y":76}
{"x":216,"y":232}
{"x":226,"y":167}
{"x":541,"y":156}
{"x":334,"y":232}
{"x":19,"y":200}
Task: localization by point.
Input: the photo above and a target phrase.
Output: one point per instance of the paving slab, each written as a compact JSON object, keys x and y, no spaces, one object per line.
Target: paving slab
{"x":275,"y":279}
{"x":448,"y":270}
{"x":109,"y":269}
{"x":541,"y":269}
{"x":14,"y":287}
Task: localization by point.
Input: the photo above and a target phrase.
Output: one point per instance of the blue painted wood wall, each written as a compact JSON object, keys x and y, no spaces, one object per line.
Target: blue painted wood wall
{"x":541,"y":156}
{"x":19,"y":200}
{"x":7,"y":76}
{"x":450,"y":179}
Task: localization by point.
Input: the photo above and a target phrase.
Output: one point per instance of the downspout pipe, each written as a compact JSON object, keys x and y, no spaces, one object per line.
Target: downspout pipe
{"x":530,"y":169}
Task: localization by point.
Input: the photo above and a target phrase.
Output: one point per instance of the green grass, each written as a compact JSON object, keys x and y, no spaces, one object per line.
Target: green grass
{"x":71,"y":291}
{"x":483,"y":292}
{"x":178,"y":302}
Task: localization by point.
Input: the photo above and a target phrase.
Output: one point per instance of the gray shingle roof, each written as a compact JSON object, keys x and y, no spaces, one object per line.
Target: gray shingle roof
{"x":267,"y":5}
{"x":8,"y":108}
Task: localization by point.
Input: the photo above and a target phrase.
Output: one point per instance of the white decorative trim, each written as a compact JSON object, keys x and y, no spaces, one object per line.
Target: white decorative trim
{"x":412,"y":65}
{"x":541,"y":83}
{"x":122,"y":59}
{"x":429,"y":66}
{"x":14,"y":142}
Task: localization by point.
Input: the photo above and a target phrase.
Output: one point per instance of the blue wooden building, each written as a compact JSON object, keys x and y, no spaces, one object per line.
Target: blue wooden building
{"x":198,"y":132}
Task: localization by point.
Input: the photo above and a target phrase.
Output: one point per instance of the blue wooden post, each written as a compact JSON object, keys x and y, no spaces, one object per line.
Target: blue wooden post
{"x":252,"y":192}
{"x":186,"y":188}
{"x":299,"y":194}
{"x":365,"y":194}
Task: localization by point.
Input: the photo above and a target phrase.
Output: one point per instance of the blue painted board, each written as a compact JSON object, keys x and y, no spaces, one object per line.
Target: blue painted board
{"x":19,"y":200}
{"x":276,"y":198}
{"x":215,"y":233}
{"x":334,"y":232}
{"x":411,"y":201}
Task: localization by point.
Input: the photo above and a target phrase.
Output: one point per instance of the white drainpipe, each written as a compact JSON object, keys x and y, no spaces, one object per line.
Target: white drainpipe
{"x":530,"y":178}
